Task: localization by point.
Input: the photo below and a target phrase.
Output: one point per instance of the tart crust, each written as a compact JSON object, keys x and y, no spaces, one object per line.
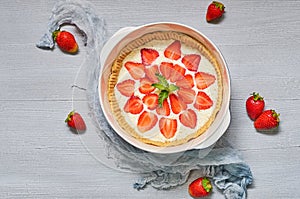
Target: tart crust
{"x":118,"y":64}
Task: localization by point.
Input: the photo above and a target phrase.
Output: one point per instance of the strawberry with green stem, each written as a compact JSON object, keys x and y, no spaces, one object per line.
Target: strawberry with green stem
{"x":255,"y":105}
{"x":201,"y":187}
{"x":215,"y":10}
{"x":268,"y":120}
{"x":65,"y":41}
{"x":75,"y":121}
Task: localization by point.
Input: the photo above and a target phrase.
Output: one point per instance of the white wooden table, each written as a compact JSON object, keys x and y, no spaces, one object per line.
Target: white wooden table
{"x":41,"y":158}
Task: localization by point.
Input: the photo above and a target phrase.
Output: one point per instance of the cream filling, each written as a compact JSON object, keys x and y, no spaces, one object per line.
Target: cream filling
{"x":202,"y":115}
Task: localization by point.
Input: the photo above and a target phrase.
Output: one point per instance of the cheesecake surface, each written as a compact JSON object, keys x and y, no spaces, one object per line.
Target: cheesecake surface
{"x":165,"y":88}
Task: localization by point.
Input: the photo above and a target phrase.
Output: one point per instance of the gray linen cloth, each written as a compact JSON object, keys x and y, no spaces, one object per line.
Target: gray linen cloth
{"x":222,"y":163}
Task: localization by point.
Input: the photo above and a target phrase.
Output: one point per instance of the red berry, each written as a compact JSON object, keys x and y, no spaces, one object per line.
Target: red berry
{"x":146,"y":121}
{"x":200,"y":187}
{"x":126,"y":87}
{"x":177,"y":73}
{"x":75,"y":121}
{"x":146,"y":86}
{"x":148,"y":56}
{"x":166,"y":69}
{"x":214,"y":11}
{"x":255,"y":105}
{"x":168,"y":127}
{"x":268,"y":120}
{"x":134,"y":105}
{"x":204,"y":80}
{"x":173,"y":51}
{"x":151,"y":101}
{"x":65,"y":41}
{"x":164,"y":109}
{"x":186,"y":82}
{"x":203,"y":101}
{"x":188,"y":118}
{"x":136,"y":70}
{"x":191,"y":61}
{"x":177,"y":105}
{"x":151,"y":73}
{"x":187,"y":95}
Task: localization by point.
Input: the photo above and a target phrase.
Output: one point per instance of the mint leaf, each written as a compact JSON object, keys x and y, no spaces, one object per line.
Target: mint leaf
{"x":159,"y":86}
{"x":164,"y":87}
{"x":172,"y":88}
{"x":162,"y":80}
{"x":164,"y":94}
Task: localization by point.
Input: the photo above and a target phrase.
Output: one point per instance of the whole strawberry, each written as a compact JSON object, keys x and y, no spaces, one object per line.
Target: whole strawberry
{"x":268,"y":120}
{"x":214,"y":11}
{"x":200,"y":187}
{"x":65,"y":41}
{"x":255,"y":105}
{"x":75,"y":121}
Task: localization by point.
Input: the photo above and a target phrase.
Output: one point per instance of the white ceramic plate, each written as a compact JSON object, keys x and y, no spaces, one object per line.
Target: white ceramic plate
{"x":128,"y":34}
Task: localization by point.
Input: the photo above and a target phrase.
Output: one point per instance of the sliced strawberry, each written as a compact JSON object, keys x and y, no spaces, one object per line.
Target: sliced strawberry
{"x":146,"y":121}
{"x":186,"y":82}
{"x":173,"y":50}
{"x":168,"y":127}
{"x":187,"y":95}
{"x":146,"y":86}
{"x":164,"y":109}
{"x":204,"y":80}
{"x":151,"y":73}
{"x":203,"y":101}
{"x":182,"y":104}
{"x":134,"y":105}
{"x":188,"y":118}
{"x":191,"y":61}
{"x":151,"y":101}
{"x":177,"y":73}
{"x":148,"y":56}
{"x":177,"y":105}
{"x":166,"y":69}
{"x":136,"y":70}
{"x":126,"y":87}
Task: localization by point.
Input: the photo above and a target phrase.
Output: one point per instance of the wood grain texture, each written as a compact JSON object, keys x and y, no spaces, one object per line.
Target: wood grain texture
{"x":41,"y":158}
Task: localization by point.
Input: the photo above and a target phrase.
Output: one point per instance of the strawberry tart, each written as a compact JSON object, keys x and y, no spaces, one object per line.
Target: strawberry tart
{"x":165,"y":88}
